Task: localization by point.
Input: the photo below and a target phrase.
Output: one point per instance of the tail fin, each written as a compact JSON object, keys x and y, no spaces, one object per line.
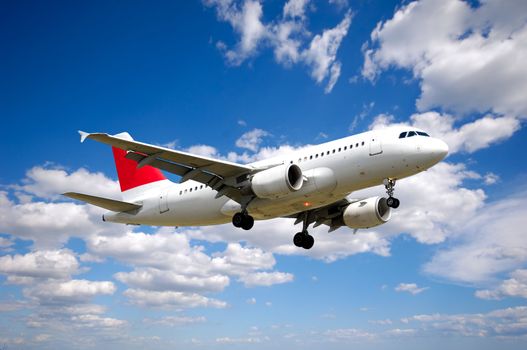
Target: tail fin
{"x":130,"y":176}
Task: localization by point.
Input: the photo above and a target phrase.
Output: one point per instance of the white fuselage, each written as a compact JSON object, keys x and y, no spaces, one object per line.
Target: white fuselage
{"x":331,"y":171}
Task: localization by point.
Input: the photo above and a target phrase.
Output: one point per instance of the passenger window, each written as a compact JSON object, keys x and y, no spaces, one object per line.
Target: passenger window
{"x":411,"y":133}
{"x":180,"y":193}
{"x":327,"y":154}
{"x":363,"y":143}
{"x":340,"y":149}
{"x":357,"y":144}
{"x":333,"y":151}
{"x":316,"y":155}
{"x":402,"y":135}
{"x":305,"y":158}
{"x":299,"y":160}
{"x":310,"y":157}
{"x":345,"y":148}
{"x":185,"y":190}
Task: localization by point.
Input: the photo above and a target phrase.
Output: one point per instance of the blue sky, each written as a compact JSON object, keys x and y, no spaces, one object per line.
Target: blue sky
{"x":244,"y":80}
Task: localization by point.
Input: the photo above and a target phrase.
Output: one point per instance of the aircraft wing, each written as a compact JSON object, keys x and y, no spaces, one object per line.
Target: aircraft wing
{"x":327,"y":215}
{"x":206,"y":170}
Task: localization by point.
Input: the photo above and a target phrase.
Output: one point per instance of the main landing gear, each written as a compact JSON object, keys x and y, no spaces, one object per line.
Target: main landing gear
{"x":303,"y":239}
{"x":392,"y":202}
{"x":243,"y":220}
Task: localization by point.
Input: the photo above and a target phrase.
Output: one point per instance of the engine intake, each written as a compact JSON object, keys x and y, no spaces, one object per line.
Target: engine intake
{"x":366,"y":213}
{"x":277,"y":182}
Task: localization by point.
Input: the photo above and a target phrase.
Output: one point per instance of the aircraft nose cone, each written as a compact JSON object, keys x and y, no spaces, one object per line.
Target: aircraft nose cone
{"x":441,"y":149}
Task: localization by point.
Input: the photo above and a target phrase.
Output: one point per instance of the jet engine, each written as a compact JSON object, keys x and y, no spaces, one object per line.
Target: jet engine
{"x":367,"y":213}
{"x":277,"y":182}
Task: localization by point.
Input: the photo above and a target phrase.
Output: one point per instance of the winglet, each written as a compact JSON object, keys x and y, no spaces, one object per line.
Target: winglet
{"x":84,"y":135}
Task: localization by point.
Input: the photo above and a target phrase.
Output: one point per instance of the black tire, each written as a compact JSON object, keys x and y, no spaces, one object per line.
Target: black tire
{"x":309,"y":241}
{"x":390,"y":202}
{"x":237,"y":220}
{"x":248,"y":222}
{"x":396,"y":203}
{"x":298,"y":239}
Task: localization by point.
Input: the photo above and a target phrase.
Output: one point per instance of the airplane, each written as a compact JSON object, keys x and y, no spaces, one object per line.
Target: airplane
{"x":313,"y":185}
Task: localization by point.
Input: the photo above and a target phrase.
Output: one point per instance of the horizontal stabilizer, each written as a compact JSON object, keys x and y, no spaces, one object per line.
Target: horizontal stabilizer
{"x":109,"y":204}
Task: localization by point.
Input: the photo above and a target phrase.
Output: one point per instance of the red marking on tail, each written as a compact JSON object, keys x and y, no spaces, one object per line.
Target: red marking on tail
{"x":128,"y":173}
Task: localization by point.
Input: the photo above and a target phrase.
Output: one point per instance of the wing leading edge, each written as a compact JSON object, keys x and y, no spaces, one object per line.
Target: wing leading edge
{"x":220,"y":175}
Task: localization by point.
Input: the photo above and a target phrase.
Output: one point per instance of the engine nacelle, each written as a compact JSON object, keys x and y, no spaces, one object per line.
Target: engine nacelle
{"x":367,"y":213}
{"x":277,"y":182}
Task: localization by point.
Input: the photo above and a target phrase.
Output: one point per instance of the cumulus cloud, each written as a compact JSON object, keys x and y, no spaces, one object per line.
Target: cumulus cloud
{"x":266,"y":278}
{"x":174,"y":321}
{"x":251,"y":140}
{"x":487,"y":244}
{"x":466,"y":58}
{"x":58,"y":292}
{"x":411,"y":288}
{"x":40,"y":264}
{"x":171,"y":299}
{"x":50,"y":183}
{"x":287,"y":35}
{"x":515,"y":286}
{"x":508,"y":322}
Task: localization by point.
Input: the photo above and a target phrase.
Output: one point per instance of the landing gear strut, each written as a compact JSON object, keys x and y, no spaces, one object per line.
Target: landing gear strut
{"x":303,"y":239}
{"x":243,"y":220}
{"x":392,"y":202}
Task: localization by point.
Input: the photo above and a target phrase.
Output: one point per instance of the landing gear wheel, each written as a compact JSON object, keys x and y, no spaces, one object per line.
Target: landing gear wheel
{"x":308,"y":241}
{"x":298,"y":239}
{"x":237,"y":220}
{"x":248,"y":222}
{"x":392,"y":202}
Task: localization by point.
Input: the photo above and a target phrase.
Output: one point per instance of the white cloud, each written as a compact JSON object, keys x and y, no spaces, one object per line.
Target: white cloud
{"x":251,"y":140}
{"x":174,"y":321}
{"x":411,"y":288}
{"x":508,"y":322}
{"x":154,"y":279}
{"x":266,"y":278}
{"x":40,"y":264}
{"x":488,"y":243}
{"x":50,"y":183}
{"x":251,"y":301}
{"x":287,"y":35}
{"x":516,"y":286}
{"x":322,"y":52}
{"x":295,"y":8}
{"x":167,"y":299}
{"x":467,"y":59}
{"x":73,"y":291}
{"x":246,"y":22}
{"x":96,"y":321}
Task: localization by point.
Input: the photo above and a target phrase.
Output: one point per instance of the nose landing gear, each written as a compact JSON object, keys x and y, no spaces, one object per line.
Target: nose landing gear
{"x":392,"y":202}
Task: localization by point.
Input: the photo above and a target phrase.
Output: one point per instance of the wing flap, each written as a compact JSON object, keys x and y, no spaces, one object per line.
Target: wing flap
{"x":106,"y":203}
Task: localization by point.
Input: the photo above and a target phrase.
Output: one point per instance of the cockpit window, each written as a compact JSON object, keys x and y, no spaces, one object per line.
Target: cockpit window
{"x":412,"y":133}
